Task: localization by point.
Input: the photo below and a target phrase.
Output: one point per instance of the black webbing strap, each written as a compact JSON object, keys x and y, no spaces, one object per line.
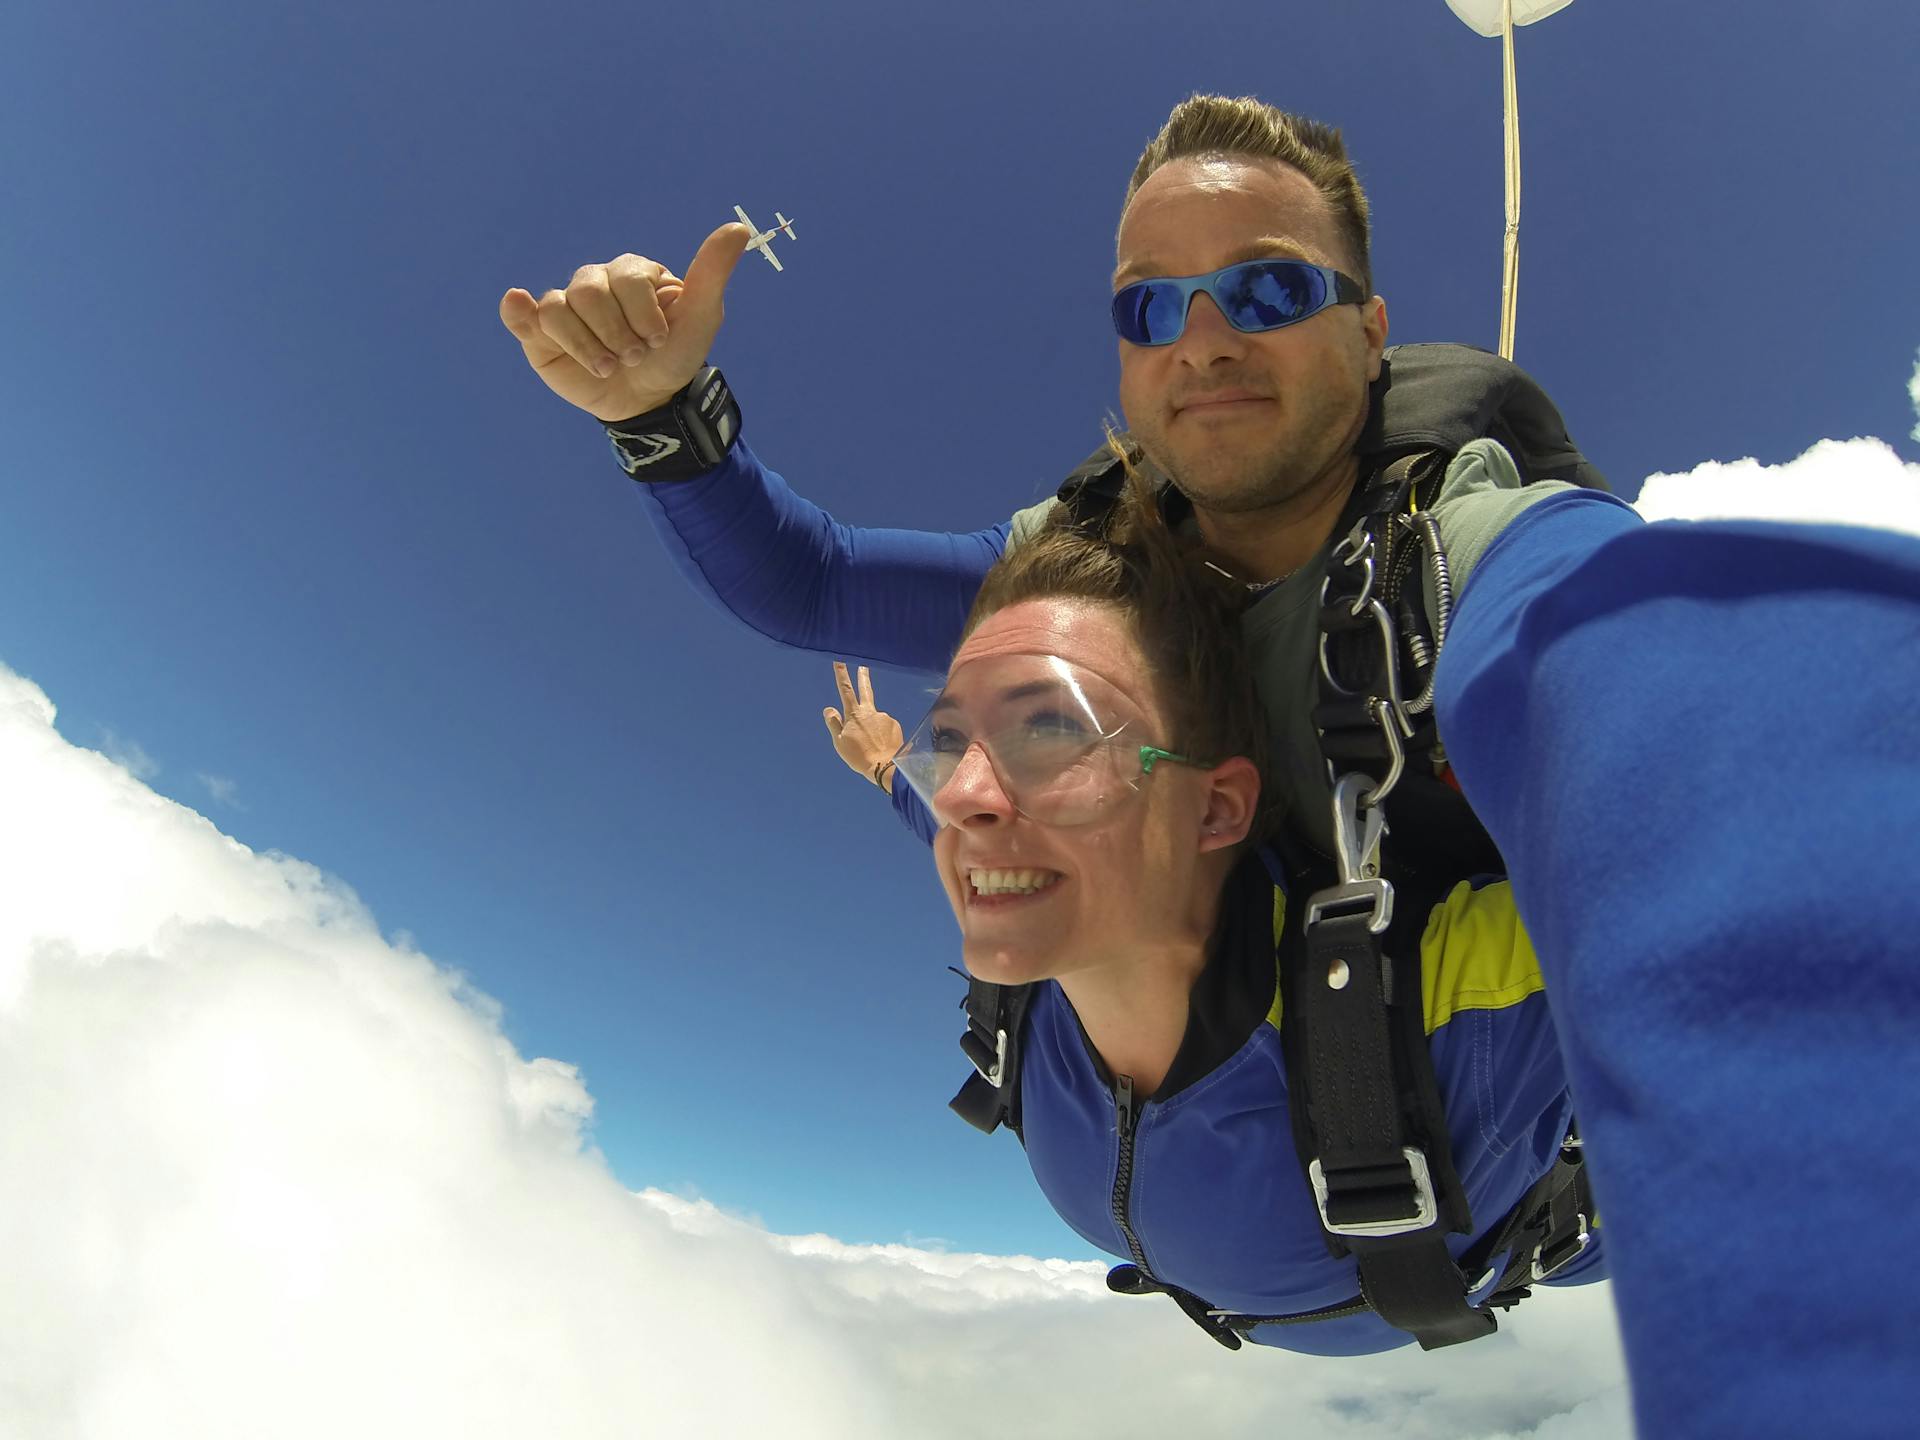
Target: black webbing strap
{"x":1371,"y":1128}
{"x":991,"y":1095}
{"x":1379,"y":1161}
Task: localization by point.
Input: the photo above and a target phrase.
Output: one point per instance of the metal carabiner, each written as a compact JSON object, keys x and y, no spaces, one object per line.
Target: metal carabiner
{"x":1392,"y":725}
{"x":1357,"y":831}
{"x":1390,"y":660}
{"x":1356,"y":549}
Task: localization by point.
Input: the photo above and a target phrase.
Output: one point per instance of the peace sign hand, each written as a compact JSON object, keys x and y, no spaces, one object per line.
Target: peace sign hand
{"x":865,"y":736}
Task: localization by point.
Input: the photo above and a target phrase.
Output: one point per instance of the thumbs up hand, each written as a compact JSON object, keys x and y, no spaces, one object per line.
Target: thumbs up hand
{"x":625,"y":336}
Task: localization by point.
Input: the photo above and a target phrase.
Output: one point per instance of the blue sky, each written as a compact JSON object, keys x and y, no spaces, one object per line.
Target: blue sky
{"x":284,"y":507}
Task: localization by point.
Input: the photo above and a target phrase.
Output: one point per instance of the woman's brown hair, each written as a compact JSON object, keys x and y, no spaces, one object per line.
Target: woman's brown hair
{"x":1183,"y":612}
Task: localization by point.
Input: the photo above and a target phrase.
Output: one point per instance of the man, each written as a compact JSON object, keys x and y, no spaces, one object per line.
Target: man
{"x":1694,"y":744}
{"x":1255,"y":428}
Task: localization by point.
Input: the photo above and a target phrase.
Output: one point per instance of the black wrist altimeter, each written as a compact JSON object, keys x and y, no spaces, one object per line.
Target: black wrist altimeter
{"x":685,"y":437}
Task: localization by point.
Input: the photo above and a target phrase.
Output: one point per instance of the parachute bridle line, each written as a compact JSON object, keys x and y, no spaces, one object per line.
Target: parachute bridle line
{"x":1510,"y":269}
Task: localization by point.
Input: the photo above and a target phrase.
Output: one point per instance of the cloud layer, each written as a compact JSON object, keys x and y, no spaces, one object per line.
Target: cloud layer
{"x":265,"y":1172}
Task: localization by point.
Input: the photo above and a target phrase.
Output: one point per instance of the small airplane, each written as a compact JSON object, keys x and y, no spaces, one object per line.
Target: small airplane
{"x":763,"y":239}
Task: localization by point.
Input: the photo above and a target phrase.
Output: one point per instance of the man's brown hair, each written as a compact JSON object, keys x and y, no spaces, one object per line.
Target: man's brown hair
{"x":1246,"y":127}
{"x":1184,"y":614}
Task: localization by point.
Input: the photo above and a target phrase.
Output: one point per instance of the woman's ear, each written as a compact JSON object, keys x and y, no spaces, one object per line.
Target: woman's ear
{"x":1233,"y":797}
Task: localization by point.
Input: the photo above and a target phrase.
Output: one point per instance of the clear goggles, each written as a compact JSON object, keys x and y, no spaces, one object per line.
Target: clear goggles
{"x":1062,"y":744}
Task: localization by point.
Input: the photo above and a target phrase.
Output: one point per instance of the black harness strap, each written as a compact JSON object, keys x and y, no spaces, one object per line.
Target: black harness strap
{"x":995,"y":1015}
{"x":1374,"y":1138}
{"x":1369,"y":1125}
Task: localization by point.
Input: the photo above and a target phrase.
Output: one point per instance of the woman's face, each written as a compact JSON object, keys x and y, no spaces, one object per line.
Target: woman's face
{"x":1037,"y":900}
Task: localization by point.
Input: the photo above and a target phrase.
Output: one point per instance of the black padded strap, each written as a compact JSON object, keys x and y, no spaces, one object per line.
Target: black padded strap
{"x":1376,"y":1132}
{"x":991,"y":1041}
{"x":1354,"y":1102}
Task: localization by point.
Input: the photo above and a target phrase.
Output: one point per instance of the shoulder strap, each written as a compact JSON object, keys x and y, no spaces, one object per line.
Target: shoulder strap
{"x":996,"y":1015}
{"x":1368,"y":1121}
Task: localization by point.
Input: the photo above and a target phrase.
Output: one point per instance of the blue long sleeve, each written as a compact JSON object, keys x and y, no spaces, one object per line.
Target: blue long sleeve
{"x":787,"y":569}
{"x":914,"y":815}
{"x":1699,"y":747}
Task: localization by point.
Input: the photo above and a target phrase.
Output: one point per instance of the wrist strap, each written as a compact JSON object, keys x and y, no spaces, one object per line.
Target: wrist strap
{"x":684,"y":438}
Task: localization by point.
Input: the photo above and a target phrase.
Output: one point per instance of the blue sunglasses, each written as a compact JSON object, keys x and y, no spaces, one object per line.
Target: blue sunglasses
{"x":1255,"y":295}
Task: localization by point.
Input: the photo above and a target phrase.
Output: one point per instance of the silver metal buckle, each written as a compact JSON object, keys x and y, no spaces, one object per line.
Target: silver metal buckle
{"x":1427,"y":1206}
{"x":999,"y":1071}
{"x":1376,"y":895}
{"x":1579,"y":1244}
{"x":1356,"y":850}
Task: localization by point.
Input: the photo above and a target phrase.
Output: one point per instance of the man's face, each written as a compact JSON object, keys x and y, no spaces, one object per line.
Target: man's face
{"x":1062,"y":899}
{"x":1243,"y":421}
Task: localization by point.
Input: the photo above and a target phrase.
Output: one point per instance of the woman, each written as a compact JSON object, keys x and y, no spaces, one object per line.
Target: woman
{"x":1093,"y":765}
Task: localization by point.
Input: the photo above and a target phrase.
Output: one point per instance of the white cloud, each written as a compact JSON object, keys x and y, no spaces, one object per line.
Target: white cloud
{"x":222,"y":790}
{"x":269,"y":1173}
{"x":1913,"y":393}
{"x":1849,"y":482}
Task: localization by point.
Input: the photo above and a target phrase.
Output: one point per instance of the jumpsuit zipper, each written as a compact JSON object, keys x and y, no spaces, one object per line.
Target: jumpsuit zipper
{"x":1123,"y":1118}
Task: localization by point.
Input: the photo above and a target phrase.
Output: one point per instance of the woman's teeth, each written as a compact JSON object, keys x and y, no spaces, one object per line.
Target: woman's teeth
{"x":1010,"y":882}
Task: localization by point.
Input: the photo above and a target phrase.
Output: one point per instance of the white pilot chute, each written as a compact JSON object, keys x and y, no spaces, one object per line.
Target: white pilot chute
{"x":1488,"y":16}
{"x":1491,"y":18}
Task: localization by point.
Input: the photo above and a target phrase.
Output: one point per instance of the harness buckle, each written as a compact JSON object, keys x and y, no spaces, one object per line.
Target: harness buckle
{"x":1551,"y":1259}
{"x":1426,"y":1206}
{"x":1357,"y":830}
{"x":990,"y":1065}
{"x":1337,"y":901}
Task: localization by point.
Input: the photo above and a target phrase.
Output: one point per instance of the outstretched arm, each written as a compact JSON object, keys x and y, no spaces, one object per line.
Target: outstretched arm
{"x":1695,"y":743}
{"x":788,"y":570}
{"x":622,"y":339}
